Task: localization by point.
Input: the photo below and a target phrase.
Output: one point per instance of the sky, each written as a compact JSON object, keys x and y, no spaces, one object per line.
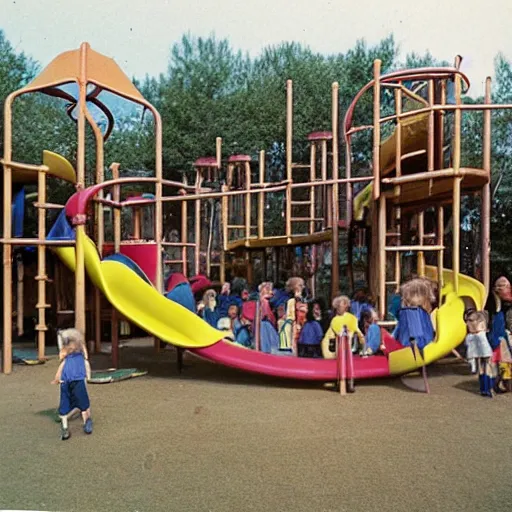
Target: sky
{"x":139,"y":34}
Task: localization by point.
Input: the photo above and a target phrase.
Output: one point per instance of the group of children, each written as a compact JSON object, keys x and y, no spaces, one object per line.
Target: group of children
{"x":288,"y":322}
{"x":488,"y":341}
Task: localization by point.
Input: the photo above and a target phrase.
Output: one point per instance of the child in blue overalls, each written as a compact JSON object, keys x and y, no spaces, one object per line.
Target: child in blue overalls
{"x":71,"y":375}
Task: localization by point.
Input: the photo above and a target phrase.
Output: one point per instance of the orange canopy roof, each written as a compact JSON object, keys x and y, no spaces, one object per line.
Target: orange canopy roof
{"x":100,"y":70}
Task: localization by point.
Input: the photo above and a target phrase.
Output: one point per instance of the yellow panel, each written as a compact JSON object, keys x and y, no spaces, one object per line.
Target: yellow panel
{"x":59,"y":166}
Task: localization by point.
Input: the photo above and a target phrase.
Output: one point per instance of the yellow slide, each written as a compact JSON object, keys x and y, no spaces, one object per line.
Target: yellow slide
{"x":141,"y":302}
{"x":448,"y":321}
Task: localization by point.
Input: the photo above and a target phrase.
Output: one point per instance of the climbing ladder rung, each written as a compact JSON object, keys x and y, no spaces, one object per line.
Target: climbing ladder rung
{"x":301,"y":166}
{"x":43,"y":306}
{"x":49,"y":206}
{"x":178,"y":244}
{"x":43,"y":278}
{"x":387,"y":323}
{"x":306,"y":219}
{"x":391,"y":282}
{"x":400,"y":248}
{"x":41,"y":327}
{"x":170,"y":262}
{"x":393,"y":234}
{"x":300,"y":203}
{"x":66,"y":312}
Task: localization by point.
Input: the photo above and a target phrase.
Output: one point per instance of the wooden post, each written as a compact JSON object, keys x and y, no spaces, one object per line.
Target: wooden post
{"x":440,"y":253}
{"x":197,"y":224}
{"x":335,"y":272}
{"x":257,"y":326}
{"x":247,"y":202}
{"x":485,"y":212}
{"x":19,"y":294}
{"x":349,"y":188}
{"x":397,"y":190}
{"x":222,"y":269}
{"x":218,"y":151}
{"x":421,"y":237}
{"x":116,"y":195}
{"x":184,"y":228}
{"x":376,"y":128}
{"x":197,"y":236}
{"x":41,"y":277}
{"x":7,"y":248}
{"x":159,"y":278}
{"x":99,"y":223}
{"x":312,"y":177}
{"x":80,"y":183}
{"x":342,"y":364}
{"x":261,"y":197}
{"x":382,"y":256}
{"x":327,"y":188}
{"x":431,"y":129}
{"x":456,"y":183}
{"x":137,"y":221}
{"x":289,"y":157}
{"x":439,"y":151}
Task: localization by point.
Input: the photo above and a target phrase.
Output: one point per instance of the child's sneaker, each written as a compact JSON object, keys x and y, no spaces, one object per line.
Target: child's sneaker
{"x":88,"y":426}
{"x":65,"y":434}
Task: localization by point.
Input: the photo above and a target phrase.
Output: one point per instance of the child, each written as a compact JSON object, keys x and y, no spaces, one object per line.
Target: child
{"x":71,"y":375}
{"x":414,"y":322}
{"x":295,"y":315}
{"x":269,"y":339}
{"x":311,"y":334}
{"x":230,"y":324}
{"x":372,"y":335}
{"x":343,"y":318}
{"x":479,"y":349}
{"x":207,"y":308}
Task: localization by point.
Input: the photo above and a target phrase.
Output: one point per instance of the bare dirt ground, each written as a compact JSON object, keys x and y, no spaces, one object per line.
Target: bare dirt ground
{"x":215,"y":440}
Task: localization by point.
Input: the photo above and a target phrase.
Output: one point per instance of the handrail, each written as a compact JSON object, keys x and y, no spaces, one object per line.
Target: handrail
{"x":403,"y":75}
{"x":77,"y":204}
{"x":428,"y":175}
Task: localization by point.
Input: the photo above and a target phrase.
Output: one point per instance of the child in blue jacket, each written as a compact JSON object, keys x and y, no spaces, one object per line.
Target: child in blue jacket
{"x":71,"y":375}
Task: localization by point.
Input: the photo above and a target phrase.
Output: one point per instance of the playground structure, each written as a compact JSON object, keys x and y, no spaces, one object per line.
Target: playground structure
{"x":416,"y":173}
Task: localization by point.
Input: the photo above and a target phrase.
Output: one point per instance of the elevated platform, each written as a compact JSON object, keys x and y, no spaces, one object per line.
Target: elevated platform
{"x":434,"y":187}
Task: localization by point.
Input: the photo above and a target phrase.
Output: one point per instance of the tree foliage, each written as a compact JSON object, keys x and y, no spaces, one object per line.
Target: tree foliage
{"x":211,"y":89}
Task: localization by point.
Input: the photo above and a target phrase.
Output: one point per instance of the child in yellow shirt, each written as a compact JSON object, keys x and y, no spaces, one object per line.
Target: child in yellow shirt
{"x":343,"y":318}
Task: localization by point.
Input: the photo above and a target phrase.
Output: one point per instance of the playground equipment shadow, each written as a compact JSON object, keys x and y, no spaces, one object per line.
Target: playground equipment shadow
{"x":221,"y":440}
{"x":141,"y":354}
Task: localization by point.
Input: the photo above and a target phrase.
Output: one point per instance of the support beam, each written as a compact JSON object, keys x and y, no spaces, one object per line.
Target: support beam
{"x":289,"y":156}
{"x":382,"y":256}
{"x":335,"y":271}
{"x":42,"y":277}
{"x":80,"y":183}
{"x":485,"y":212}
{"x":376,"y":128}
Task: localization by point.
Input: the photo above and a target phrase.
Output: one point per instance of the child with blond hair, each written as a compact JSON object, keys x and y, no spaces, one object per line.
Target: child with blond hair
{"x":479,"y":350}
{"x":71,"y":375}
{"x":343,"y":318}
